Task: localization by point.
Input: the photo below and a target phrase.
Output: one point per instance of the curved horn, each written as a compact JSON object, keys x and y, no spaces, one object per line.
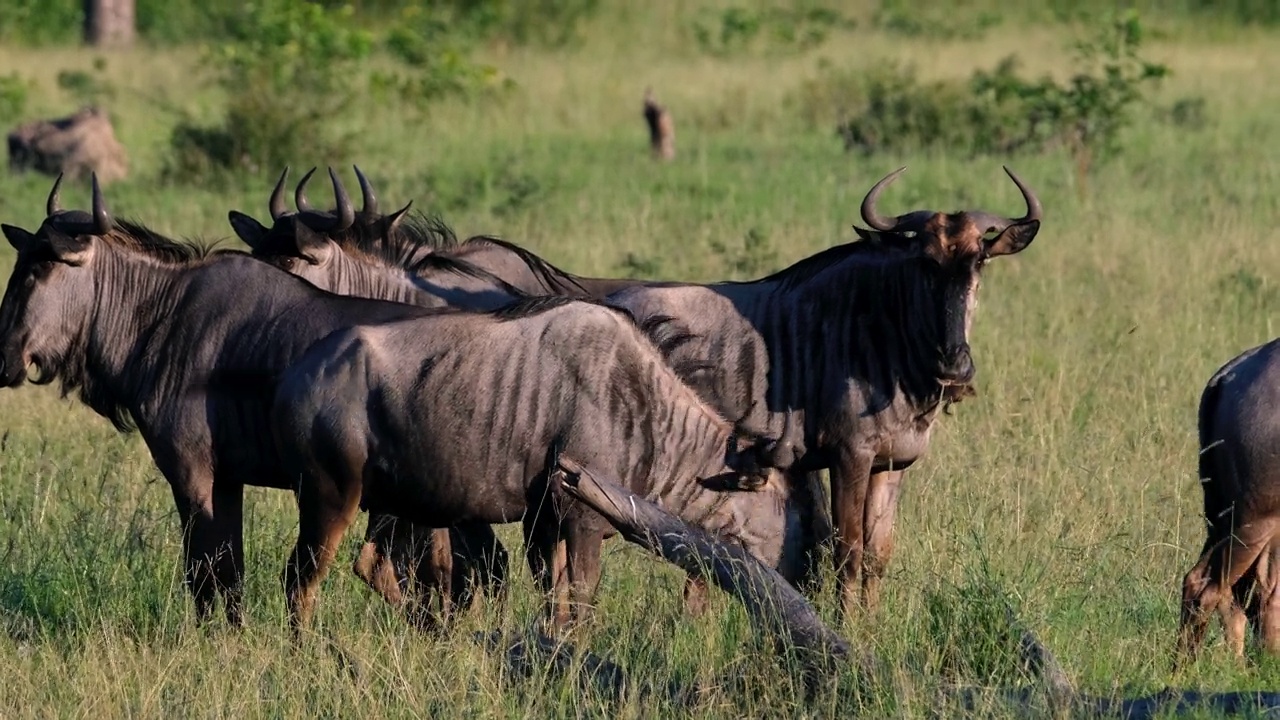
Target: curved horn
{"x":52,"y":205}
{"x":300,"y":194}
{"x":1034,"y":209}
{"x":277,"y":205}
{"x":370,"y":204}
{"x":392,"y":220}
{"x":869,"y":214}
{"x":101,"y":218}
{"x":990,"y":222}
{"x":345,"y":215}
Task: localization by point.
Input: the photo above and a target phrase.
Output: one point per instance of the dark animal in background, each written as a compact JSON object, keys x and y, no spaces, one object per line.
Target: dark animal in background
{"x":847,"y":357}
{"x":450,"y":417}
{"x":160,"y":334}
{"x":1238,"y":572}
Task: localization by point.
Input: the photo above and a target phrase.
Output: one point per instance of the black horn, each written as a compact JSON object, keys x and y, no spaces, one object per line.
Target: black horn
{"x":345,"y":215}
{"x":101,"y":218}
{"x":52,"y":205}
{"x":869,"y":214}
{"x":277,"y":204}
{"x":370,"y":201}
{"x":300,"y":194}
{"x":1034,"y":210}
{"x":990,"y":222}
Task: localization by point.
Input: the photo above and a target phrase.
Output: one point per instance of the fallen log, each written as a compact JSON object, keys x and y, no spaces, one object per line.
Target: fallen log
{"x":772,"y":602}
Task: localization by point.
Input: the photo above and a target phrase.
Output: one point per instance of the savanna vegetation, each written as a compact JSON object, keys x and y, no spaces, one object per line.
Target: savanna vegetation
{"x":1067,"y":488}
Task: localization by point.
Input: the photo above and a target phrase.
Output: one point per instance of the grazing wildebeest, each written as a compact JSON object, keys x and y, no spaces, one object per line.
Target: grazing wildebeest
{"x":846,"y":357}
{"x":150,"y":332}
{"x":450,"y":418}
{"x":1238,"y":573}
{"x":382,"y":257}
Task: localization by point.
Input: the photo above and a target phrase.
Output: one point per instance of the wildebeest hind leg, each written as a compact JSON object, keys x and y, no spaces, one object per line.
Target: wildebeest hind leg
{"x":376,"y":562}
{"x":1268,"y":620}
{"x":1209,"y":586}
{"x":882,"y":506}
{"x":479,"y":563}
{"x":325,"y":511}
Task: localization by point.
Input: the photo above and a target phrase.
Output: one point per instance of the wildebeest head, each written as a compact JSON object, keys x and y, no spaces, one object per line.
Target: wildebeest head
{"x":952,"y":249}
{"x":51,"y":289}
{"x":307,"y":243}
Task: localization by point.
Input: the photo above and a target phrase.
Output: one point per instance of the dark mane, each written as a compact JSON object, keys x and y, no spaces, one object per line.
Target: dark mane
{"x":414,"y":235}
{"x":552,"y":277}
{"x":534,"y":305}
{"x":139,"y":237}
{"x":809,"y":267}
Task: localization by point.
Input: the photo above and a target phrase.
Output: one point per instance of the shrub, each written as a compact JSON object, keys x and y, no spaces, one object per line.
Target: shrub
{"x":998,"y":111}
{"x":13,"y":98}
{"x":287,"y":72}
{"x":736,"y":30}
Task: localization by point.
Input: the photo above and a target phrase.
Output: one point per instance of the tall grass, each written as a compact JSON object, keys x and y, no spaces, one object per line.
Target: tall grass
{"x":1068,"y":485}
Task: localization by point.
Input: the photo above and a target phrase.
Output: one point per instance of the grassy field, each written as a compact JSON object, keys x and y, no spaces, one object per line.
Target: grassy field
{"x":1069,"y":483}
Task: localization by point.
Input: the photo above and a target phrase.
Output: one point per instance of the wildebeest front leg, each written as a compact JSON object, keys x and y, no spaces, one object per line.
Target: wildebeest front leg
{"x":583,"y":539}
{"x":546,"y":554}
{"x":850,"y":477}
{"x":882,"y":506}
{"x":212,"y":543}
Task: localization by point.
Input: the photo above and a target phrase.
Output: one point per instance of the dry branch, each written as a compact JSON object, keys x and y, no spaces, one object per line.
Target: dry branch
{"x":772,"y":602}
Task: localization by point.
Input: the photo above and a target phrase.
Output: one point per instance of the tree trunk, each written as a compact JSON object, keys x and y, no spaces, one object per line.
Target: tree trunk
{"x":109,"y":23}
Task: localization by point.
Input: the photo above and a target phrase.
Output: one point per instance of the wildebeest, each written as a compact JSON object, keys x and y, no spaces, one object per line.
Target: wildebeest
{"x":407,"y":265}
{"x":411,"y":239}
{"x":847,"y":356}
{"x":450,"y":417}
{"x":375,"y":256}
{"x":1238,"y":573}
{"x":158,"y":334}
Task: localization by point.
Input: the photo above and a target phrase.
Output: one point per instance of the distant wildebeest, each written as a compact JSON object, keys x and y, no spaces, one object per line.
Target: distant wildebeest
{"x":155,"y":334}
{"x":846,"y":357}
{"x":1238,"y":573}
{"x":321,"y":248}
{"x":450,"y":417}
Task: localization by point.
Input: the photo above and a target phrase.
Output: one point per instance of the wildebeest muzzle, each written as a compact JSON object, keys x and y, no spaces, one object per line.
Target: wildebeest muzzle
{"x":957,"y":366}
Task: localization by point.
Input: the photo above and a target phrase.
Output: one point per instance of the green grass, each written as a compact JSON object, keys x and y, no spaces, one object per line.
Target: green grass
{"x":1069,"y":483}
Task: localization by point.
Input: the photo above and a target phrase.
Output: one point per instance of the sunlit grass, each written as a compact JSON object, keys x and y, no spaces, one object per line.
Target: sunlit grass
{"x":1069,"y":482}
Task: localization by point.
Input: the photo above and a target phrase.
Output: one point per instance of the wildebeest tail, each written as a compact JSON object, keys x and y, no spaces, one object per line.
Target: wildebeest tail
{"x":1211,"y":456}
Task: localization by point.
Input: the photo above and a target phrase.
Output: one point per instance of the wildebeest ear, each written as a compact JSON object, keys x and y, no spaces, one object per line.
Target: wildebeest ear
{"x":1014,"y":238}
{"x":69,"y":249}
{"x":247,"y":229}
{"x":314,"y":247}
{"x":20,"y":239}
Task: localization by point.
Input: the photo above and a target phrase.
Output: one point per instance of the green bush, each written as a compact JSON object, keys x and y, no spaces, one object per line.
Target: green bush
{"x":41,"y":22}
{"x":737,"y":30}
{"x":998,"y":111}
{"x":288,"y":72}
{"x":13,"y":98}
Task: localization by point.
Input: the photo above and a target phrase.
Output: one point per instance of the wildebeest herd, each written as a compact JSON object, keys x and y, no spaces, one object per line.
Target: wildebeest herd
{"x":371,"y":361}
